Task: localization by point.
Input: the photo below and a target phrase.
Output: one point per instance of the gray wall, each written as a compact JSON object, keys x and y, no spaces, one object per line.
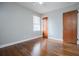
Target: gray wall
{"x":55,"y":21}
{"x":15,"y":23}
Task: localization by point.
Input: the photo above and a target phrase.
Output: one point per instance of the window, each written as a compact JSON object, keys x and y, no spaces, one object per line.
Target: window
{"x":36,"y":23}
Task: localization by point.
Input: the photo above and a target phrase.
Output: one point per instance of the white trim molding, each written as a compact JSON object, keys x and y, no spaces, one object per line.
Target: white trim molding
{"x":12,"y":43}
{"x":55,"y":39}
{"x":77,"y":41}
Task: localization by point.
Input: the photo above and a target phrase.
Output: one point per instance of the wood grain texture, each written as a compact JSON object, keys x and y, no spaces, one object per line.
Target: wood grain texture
{"x":45,"y":27}
{"x":41,"y":47}
{"x":70,"y":27}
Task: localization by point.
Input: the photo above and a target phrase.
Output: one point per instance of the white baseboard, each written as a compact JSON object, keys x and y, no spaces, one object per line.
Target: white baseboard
{"x":12,"y":43}
{"x":55,"y":39}
{"x":77,"y":41}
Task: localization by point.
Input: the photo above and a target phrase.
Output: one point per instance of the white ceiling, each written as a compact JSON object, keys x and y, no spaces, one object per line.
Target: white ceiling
{"x":46,"y":6}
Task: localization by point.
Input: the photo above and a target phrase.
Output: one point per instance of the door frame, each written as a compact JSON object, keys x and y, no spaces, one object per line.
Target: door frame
{"x":46,"y":19}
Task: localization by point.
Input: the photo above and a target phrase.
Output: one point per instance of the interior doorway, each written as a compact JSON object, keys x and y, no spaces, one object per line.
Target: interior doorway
{"x":45,"y":27}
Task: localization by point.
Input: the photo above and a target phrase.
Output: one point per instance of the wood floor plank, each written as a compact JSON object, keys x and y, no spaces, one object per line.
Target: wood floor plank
{"x":41,"y":47}
{"x":23,"y":50}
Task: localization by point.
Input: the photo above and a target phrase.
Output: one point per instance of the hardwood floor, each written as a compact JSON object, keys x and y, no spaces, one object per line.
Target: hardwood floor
{"x":41,"y":47}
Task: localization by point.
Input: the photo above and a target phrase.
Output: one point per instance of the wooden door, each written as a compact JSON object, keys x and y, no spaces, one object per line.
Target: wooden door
{"x":45,"y":27}
{"x":70,"y":27}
